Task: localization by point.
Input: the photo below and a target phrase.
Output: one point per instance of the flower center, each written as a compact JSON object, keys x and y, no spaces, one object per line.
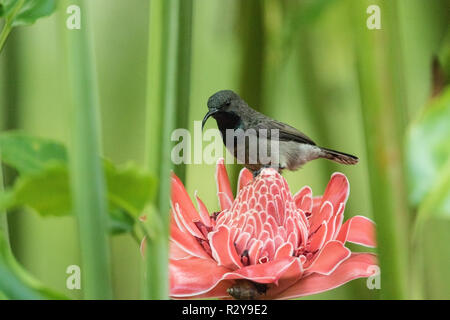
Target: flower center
{"x":264,"y":221}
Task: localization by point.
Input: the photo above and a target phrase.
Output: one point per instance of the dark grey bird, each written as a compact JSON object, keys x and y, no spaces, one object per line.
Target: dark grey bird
{"x":293,"y":150}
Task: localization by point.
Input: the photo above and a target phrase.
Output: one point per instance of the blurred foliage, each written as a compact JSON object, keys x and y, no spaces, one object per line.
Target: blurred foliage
{"x":18,"y":283}
{"x":428,"y":159}
{"x":21,"y":13}
{"x":43,"y":183}
{"x":30,"y":155}
{"x":26,"y":12}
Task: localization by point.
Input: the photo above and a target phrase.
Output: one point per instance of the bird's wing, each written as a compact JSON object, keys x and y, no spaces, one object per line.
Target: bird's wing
{"x":286,"y":132}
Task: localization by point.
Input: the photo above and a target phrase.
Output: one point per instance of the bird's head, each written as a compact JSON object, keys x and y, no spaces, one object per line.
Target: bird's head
{"x":224,"y":101}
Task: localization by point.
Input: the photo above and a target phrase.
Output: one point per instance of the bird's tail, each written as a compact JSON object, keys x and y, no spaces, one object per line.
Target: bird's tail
{"x":339,"y":157}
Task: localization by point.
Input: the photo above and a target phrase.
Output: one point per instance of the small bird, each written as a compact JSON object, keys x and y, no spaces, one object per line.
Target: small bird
{"x":294,"y":148}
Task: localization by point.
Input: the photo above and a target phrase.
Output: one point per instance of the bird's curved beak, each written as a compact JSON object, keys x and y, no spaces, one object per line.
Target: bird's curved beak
{"x":209,"y":114}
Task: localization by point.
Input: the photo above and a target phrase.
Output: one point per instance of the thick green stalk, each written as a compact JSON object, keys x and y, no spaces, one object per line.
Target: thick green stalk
{"x":4,"y":35}
{"x":252,"y":38}
{"x":253,"y":46}
{"x":383,"y":126}
{"x":12,"y":287}
{"x":9,"y":113}
{"x":155,"y":274}
{"x":87,"y":177}
{"x":3,"y":216}
{"x":184,"y":73}
{"x":154,"y":87}
{"x":168,"y":101}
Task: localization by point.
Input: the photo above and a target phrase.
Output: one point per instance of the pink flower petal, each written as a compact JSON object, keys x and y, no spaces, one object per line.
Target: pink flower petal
{"x":289,"y":277}
{"x":254,"y":251}
{"x":203,"y":212}
{"x":303,"y":199}
{"x":356,"y":266}
{"x":284,"y":251}
{"x":338,"y":219}
{"x":269,"y":272}
{"x":359,"y":230}
{"x":245,"y":177}
{"x":223,"y":249}
{"x":317,"y":203}
{"x":335,"y":222}
{"x":318,"y":238}
{"x":329,"y":258}
{"x":337,"y":190}
{"x":196,"y":277}
{"x":183,"y":222}
{"x":241,"y":242}
{"x":223,"y":186}
{"x":323,"y":215}
{"x":180,"y":196}
{"x":187,"y":242}
{"x":176,"y":253}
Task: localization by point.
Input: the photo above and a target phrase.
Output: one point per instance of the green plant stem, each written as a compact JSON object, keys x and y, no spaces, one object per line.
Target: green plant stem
{"x":8,"y":24}
{"x":169,"y":101}
{"x":169,"y":78}
{"x":154,"y":88}
{"x":3,"y":216}
{"x":436,"y":195}
{"x":184,"y":73}
{"x":87,"y":176}
{"x":253,"y":47}
{"x":13,"y":287}
{"x":383,"y":127}
{"x":16,"y":282}
{"x":155,"y":280}
{"x":157,"y":275}
{"x":417,"y":264}
{"x":4,"y":35}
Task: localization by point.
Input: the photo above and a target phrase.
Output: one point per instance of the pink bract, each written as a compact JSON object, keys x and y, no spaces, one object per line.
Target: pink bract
{"x":292,"y":244}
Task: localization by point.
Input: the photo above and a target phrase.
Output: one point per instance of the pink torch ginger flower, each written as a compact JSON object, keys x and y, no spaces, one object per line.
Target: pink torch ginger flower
{"x":267,"y":243}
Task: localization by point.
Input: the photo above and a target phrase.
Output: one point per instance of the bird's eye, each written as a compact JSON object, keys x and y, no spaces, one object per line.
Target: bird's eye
{"x":228,"y":103}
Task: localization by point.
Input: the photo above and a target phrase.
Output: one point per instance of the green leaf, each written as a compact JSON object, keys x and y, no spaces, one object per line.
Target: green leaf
{"x":30,"y":155}
{"x":120,"y":222}
{"x":46,"y":192}
{"x":6,"y":200}
{"x":6,"y":6}
{"x":43,"y":184}
{"x":28,"y":13}
{"x":428,"y":158}
{"x":128,"y":187}
{"x":33,"y":10}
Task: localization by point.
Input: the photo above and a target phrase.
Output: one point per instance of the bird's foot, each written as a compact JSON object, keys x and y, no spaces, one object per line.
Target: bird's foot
{"x":257,"y":172}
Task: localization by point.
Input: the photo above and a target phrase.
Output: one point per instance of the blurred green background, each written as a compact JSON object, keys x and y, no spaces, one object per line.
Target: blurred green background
{"x":311,"y":63}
